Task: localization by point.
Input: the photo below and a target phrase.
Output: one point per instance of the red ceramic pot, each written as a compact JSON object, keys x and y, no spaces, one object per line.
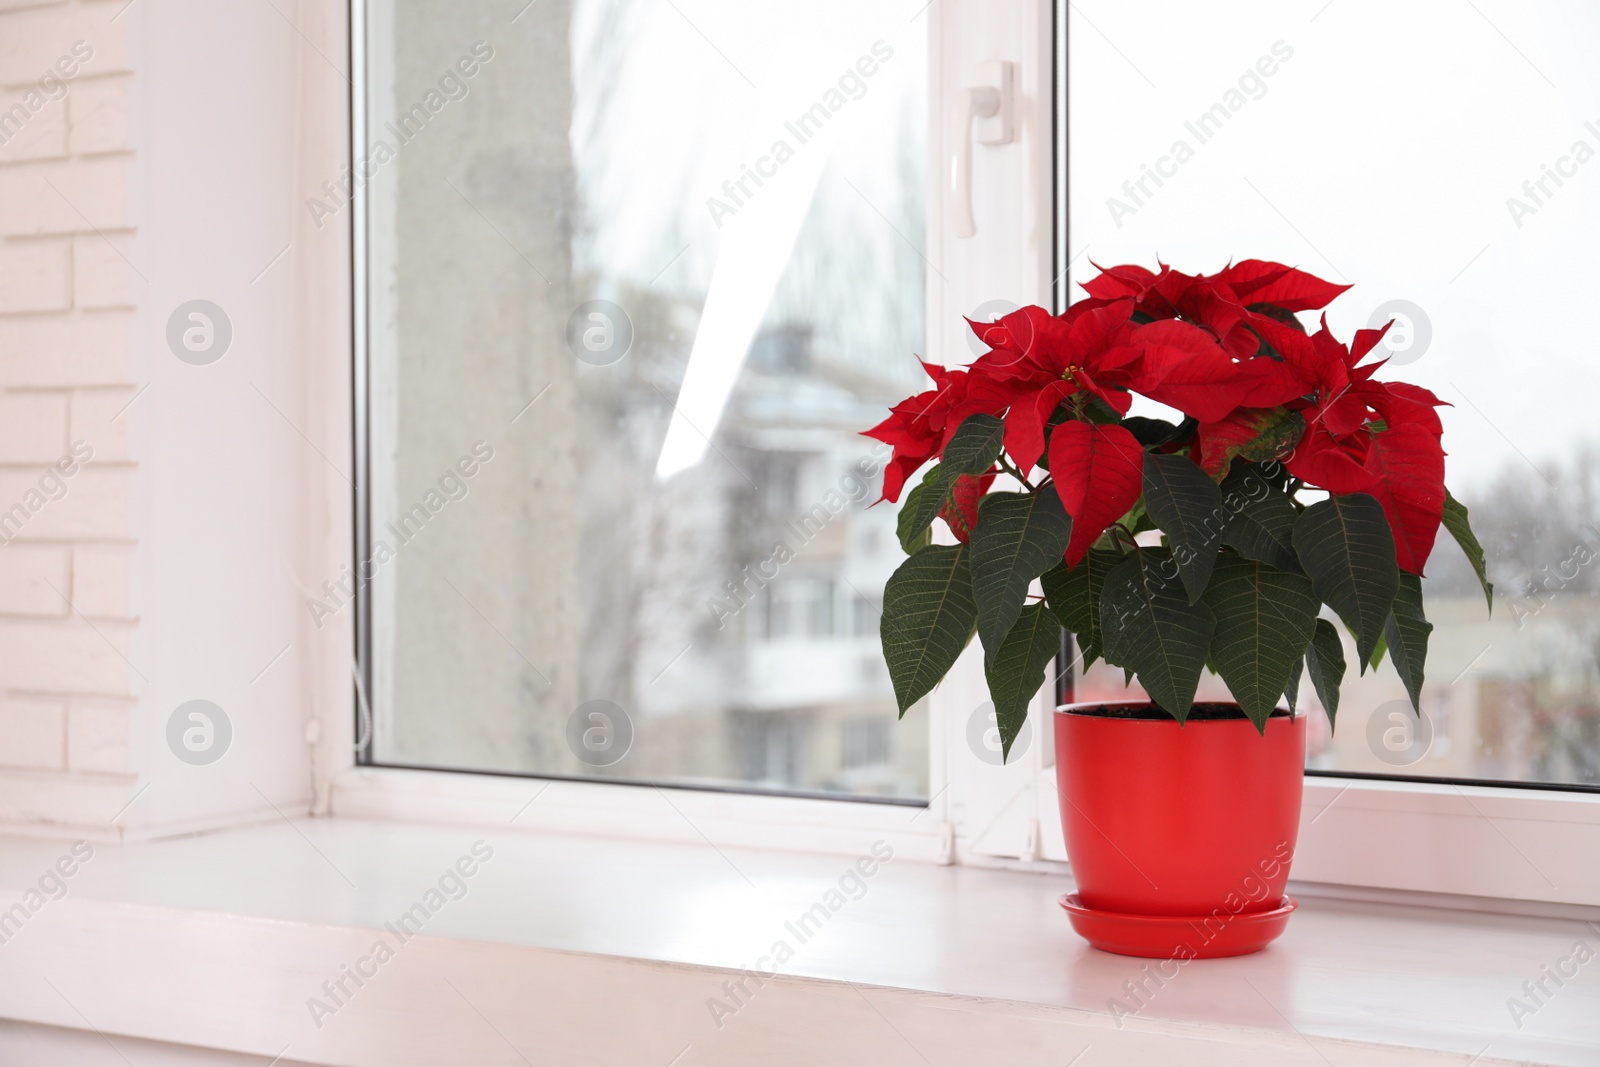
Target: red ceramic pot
{"x":1180,"y":836}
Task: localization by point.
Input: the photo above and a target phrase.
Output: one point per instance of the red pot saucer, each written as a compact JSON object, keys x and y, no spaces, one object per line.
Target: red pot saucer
{"x":1177,"y":936}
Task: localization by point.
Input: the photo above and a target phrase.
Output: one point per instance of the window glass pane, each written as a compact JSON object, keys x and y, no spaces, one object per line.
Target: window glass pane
{"x":1442,"y":158}
{"x":640,"y":273}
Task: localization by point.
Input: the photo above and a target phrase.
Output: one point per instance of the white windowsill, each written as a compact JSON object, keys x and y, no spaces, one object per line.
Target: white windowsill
{"x":567,"y":950}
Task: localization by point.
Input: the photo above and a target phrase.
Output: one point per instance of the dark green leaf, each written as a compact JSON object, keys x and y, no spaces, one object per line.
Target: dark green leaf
{"x":1261,"y":519}
{"x":1345,"y":545}
{"x":1151,"y":433}
{"x":1407,"y":636}
{"x":1016,"y":672}
{"x":1273,"y":311}
{"x":1455,"y":520}
{"x":1074,"y":596}
{"x":928,"y":617}
{"x":1376,"y":659}
{"x":1264,"y":621}
{"x":922,"y":504}
{"x":1325,"y":664}
{"x":1018,"y":537}
{"x":972,"y":449}
{"x":1150,"y":628}
{"x":1186,"y":504}
{"x":1291,"y":692}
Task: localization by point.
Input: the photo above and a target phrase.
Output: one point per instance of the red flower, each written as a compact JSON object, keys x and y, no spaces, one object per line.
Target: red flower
{"x":1098,"y":472}
{"x":1367,"y":436}
{"x":960,"y":512}
{"x":1227,"y":303}
{"x":920,"y":426}
{"x":1224,"y":349}
{"x":1040,"y":360}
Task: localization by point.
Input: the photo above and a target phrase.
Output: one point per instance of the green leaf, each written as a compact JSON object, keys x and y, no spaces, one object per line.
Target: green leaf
{"x":1261,"y":519}
{"x":928,"y":617}
{"x":1325,"y":664}
{"x":1186,"y":504}
{"x":1345,"y":545}
{"x":972,"y":449}
{"x":1018,"y":537}
{"x":1074,"y":596}
{"x":918,"y":512}
{"x":1407,"y":634}
{"x":1276,"y":440}
{"x":1017,"y":670}
{"x":1150,"y":628}
{"x":1378,"y":651}
{"x":1264,"y":622}
{"x":1291,"y":692}
{"x":1153,"y":433}
{"x":1455,"y":520}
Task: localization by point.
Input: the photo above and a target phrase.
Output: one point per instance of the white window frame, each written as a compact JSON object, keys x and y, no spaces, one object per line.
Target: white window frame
{"x":1478,"y":845}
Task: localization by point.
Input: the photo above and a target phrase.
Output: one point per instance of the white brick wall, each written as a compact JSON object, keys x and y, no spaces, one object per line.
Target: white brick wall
{"x":67,"y":296}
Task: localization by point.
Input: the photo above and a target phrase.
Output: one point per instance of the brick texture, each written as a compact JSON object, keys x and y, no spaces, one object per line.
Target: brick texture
{"x":35,"y":275}
{"x":33,"y":734}
{"x":97,"y":736}
{"x":63,"y":196}
{"x":102,"y":275}
{"x":38,"y":41}
{"x":99,"y":108}
{"x":100,"y":420}
{"x":45,"y":351}
{"x":33,"y":427}
{"x":100,"y":580}
{"x":68,"y":299}
{"x":32,"y":126}
{"x":35,"y":579}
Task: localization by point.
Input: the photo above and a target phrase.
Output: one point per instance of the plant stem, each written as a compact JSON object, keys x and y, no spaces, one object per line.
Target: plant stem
{"x":1011,"y":469}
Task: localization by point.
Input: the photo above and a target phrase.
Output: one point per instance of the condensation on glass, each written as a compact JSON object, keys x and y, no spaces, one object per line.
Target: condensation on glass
{"x":639,"y":274}
{"x":1447,"y":167}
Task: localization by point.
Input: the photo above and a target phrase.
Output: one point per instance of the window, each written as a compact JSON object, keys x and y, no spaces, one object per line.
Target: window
{"x":1441,"y":159}
{"x":638,"y":273}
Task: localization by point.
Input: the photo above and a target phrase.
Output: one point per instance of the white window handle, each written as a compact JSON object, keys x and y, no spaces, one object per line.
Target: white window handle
{"x":984,"y":112}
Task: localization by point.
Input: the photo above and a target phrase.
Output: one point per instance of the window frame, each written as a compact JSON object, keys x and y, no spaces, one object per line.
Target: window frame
{"x":976,"y":814}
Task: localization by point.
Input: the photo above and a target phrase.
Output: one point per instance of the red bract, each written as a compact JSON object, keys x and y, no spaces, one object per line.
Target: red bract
{"x":1098,"y":472}
{"x":1224,"y":349}
{"x":1229,"y":303}
{"x":1367,"y":436}
{"x":920,"y":426}
{"x":960,"y":513}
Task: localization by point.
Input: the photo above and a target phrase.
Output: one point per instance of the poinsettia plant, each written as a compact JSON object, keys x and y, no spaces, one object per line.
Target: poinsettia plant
{"x":1239,"y":551}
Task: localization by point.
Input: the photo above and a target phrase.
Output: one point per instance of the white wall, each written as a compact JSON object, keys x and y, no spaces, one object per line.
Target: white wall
{"x":176,"y":168}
